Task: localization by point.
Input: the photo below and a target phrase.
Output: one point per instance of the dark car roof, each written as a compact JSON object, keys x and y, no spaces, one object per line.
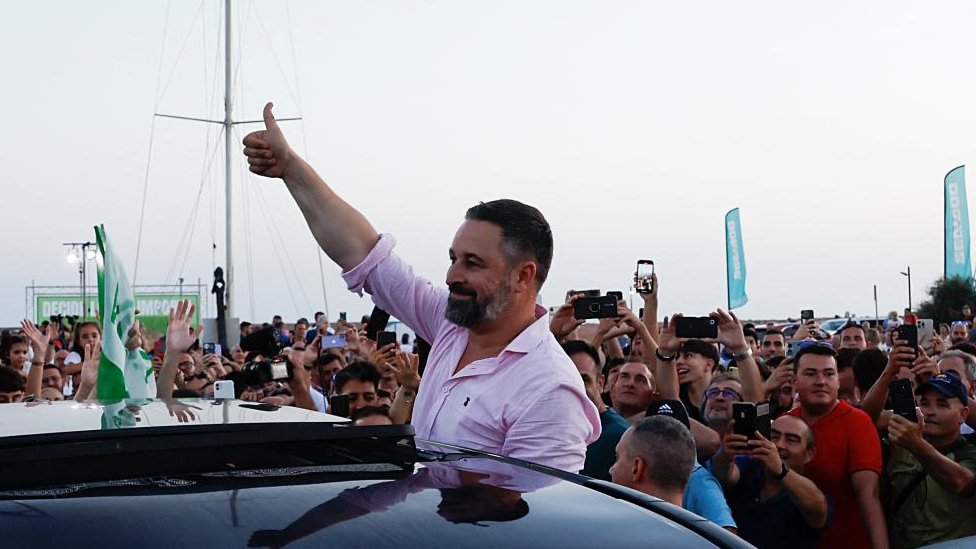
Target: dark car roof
{"x":314,"y":483}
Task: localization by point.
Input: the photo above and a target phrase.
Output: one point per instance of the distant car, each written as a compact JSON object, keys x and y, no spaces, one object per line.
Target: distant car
{"x":201,"y":473}
{"x":831,"y":326}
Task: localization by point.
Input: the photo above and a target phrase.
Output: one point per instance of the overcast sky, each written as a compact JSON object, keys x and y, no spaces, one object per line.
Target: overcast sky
{"x":633,"y":126}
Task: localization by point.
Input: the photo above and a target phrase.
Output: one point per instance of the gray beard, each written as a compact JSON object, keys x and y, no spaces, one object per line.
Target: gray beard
{"x":468,"y":313}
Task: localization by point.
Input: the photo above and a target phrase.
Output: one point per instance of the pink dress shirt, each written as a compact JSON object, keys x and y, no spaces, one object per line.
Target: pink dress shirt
{"x":527,"y":403}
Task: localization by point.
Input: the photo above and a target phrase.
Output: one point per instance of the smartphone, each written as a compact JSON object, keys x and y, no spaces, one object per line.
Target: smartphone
{"x":643,"y":280}
{"x":805,"y":315}
{"x":595,"y":307}
{"x":750,"y":417}
{"x":696,"y":327}
{"x":333,"y":342}
{"x":744,"y":414}
{"x":902,"y":399}
{"x":619,"y":296}
{"x":342,"y":316}
{"x":212,"y":349}
{"x":339,"y":405}
{"x":909,"y":333}
{"x":378,"y":319}
{"x":385,"y":338}
{"x":792,"y":347}
{"x":224,"y":389}
{"x":926,"y":333}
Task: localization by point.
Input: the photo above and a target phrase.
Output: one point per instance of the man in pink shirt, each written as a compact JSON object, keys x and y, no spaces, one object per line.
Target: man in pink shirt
{"x":496,"y":379}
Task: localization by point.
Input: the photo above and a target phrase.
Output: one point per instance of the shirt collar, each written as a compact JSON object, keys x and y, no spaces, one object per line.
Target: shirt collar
{"x":533,"y":335}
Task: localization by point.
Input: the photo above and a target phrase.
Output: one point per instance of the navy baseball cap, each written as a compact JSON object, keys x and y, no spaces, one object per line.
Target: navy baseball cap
{"x":947,"y":385}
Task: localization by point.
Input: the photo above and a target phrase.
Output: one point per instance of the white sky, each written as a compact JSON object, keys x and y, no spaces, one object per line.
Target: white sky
{"x":634,"y":126}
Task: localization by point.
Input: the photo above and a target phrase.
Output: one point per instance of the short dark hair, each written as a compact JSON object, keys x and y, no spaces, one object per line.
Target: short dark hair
{"x":845,"y":358}
{"x":702,"y":348}
{"x":317,"y":315}
{"x":611,"y":364}
{"x":369,"y":411}
{"x":850,"y":325}
{"x":525,"y":232}
{"x":669,"y":449}
{"x":750,"y":332}
{"x":814,"y":349}
{"x":10,"y":380}
{"x":772,"y":332}
{"x":868,"y":366}
{"x":578,"y":346}
{"x":359,"y":371}
{"x":965,"y":347}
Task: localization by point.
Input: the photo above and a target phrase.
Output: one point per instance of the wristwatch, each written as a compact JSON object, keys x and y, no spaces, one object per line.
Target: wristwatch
{"x":742,"y":355}
{"x":782,"y":474}
{"x":662,"y":358}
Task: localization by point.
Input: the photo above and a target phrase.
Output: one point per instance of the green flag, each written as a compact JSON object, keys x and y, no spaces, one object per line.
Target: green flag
{"x":121,"y":373}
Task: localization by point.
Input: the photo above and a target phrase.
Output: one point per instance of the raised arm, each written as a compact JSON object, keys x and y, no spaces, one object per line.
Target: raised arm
{"x":665,"y":373}
{"x":178,"y":340}
{"x":731,"y":335}
{"x":342,"y":232}
{"x":39,"y":342}
{"x":950,"y":475}
{"x":873,"y":403}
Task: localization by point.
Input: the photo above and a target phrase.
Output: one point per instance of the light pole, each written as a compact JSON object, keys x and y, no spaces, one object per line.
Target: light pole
{"x":82,"y":259}
{"x":909,"y":275}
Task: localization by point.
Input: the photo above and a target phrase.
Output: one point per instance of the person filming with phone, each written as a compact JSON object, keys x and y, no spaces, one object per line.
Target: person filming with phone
{"x":931,"y":468}
{"x":773,"y":504}
{"x":496,"y":379}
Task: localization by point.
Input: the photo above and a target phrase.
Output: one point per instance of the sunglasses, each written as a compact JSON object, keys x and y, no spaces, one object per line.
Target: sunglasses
{"x":959,"y":323}
{"x":727,"y":393}
{"x":811,"y":343}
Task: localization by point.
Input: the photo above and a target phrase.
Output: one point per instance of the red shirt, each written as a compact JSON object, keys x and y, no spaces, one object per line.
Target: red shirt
{"x":846,"y":442}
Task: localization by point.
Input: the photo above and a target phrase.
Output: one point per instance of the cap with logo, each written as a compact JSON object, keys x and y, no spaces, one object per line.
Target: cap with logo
{"x":947,"y":385}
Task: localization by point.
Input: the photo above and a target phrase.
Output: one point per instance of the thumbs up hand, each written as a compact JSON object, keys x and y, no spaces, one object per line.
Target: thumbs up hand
{"x":267,"y":151}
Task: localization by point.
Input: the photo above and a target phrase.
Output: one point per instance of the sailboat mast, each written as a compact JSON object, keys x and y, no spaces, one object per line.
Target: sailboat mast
{"x":228,"y":150}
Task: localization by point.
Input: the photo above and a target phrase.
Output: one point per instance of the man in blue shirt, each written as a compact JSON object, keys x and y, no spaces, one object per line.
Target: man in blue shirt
{"x":773,"y":504}
{"x":599,"y":453}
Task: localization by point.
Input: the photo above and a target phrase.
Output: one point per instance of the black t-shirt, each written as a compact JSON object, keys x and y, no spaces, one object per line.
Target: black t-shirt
{"x":693,"y":411}
{"x":774,"y":523}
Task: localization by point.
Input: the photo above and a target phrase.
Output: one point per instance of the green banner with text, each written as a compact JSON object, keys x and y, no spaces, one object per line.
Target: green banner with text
{"x":153,"y":308}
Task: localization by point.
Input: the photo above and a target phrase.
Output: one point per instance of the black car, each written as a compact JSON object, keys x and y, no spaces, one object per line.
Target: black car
{"x":233,"y":474}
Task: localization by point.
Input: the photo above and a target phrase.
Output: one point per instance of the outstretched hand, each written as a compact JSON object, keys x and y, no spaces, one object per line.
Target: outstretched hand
{"x":179,"y":339}
{"x":38,"y":339}
{"x":267,"y":151}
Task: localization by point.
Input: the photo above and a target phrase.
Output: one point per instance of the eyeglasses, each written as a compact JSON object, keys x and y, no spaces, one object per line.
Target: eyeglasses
{"x":728,"y":393}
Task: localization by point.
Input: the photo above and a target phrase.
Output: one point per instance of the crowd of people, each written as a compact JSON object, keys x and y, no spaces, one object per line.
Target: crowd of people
{"x":824,"y":460}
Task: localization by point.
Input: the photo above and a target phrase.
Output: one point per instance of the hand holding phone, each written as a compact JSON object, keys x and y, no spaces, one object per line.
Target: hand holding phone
{"x":902,"y":399}
{"x":909,"y":333}
{"x":644,"y":277}
{"x":595,"y":307}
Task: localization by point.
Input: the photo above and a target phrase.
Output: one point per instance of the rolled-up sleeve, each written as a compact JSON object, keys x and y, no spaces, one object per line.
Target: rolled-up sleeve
{"x":397,"y":290}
